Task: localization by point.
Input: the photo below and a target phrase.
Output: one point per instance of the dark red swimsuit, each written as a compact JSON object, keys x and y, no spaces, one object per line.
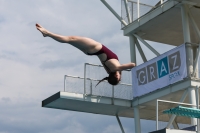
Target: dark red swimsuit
{"x":108,"y":52}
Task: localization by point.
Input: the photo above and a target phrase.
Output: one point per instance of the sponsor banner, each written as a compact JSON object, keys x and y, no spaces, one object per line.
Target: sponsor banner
{"x":159,"y":72}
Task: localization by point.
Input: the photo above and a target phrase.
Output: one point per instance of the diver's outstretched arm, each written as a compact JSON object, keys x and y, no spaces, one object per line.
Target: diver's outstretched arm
{"x":125,"y":66}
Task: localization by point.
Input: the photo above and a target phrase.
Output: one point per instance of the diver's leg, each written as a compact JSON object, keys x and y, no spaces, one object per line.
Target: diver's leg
{"x":86,"y":45}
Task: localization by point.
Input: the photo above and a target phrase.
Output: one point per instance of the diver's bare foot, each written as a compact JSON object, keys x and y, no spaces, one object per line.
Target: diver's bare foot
{"x":42,"y":30}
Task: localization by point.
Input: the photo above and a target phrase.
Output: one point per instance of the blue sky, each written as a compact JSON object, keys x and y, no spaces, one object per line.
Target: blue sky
{"x":32,"y":67}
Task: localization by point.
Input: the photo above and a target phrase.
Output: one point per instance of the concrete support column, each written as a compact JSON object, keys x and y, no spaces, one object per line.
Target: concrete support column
{"x":186,"y":35}
{"x":132,"y":49}
{"x":137,"y":120}
{"x":132,"y":40}
{"x":189,"y":53}
{"x":192,"y":100}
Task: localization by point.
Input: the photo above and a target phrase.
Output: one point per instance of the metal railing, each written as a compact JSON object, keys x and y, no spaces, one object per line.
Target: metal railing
{"x":137,"y":9}
{"x":75,"y":84}
{"x":87,"y":85}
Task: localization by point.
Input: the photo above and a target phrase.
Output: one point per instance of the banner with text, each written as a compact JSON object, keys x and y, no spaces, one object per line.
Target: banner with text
{"x":159,"y":72}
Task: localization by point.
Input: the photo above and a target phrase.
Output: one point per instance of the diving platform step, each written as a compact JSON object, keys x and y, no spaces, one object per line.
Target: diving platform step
{"x":89,"y":104}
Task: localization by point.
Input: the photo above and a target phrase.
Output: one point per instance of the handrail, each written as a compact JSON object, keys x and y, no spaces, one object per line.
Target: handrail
{"x":94,"y":79}
{"x":113,"y":94}
{"x":102,"y":66}
{"x":140,"y":3}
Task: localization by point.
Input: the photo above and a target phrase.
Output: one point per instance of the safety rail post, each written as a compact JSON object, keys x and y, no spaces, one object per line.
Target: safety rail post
{"x":132,"y":12}
{"x":112,"y":94}
{"x":64,"y":81}
{"x":157,"y":114}
{"x":90,"y":86}
{"x":197,"y":101}
{"x":138,"y":7}
{"x":85,"y":78}
{"x":127,"y":11}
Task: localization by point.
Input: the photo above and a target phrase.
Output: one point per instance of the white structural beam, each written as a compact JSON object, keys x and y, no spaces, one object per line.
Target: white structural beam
{"x":141,"y":3}
{"x":168,"y":90}
{"x":175,"y":125}
{"x":138,"y":7}
{"x":132,"y":49}
{"x":196,"y":61}
{"x":174,"y":116}
{"x":127,"y":11}
{"x":120,"y":124}
{"x":198,"y":34}
{"x":194,"y":24}
{"x":132,"y":40}
{"x":197,"y":101}
{"x":113,"y":11}
{"x":137,"y":120}
{"x":140,"y":51}
{"x":189,"y":52}
{"x":147,"y":45}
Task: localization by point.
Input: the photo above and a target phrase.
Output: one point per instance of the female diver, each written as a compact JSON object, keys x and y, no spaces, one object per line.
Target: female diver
{"x":90,"y":47}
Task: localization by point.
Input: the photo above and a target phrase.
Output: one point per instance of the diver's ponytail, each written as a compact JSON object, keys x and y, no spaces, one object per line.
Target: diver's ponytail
{"x":106,"y":78}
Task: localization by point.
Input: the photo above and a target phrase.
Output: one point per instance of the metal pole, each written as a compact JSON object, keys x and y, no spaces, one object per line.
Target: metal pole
{"x":196,"y":61}
{"x":113,"y":95}
{"x":127,"y":11}
{"x":120,"y":124}
{"x":186,"y":35}
{"x":194,"y":24}
{"x":165,"y":101}
{"x":90,"y":86}
{"x":64,"y":82}
{"x":132,"y":49}
{"x":192,"y":99}
{"x":137,"y":120}
{"x":197,"y":101}
{"x":157,"y":114}
{"x":138,"y":7}
{"x":132,"y":12}
{"x":85,"y":79}
{"x":198,"y":34}
{"x":147,"y":45}
{"x":140,"y":51}
{"x":133,"y":59}
{"x":116,"y":15}
{"x":189,"y":53}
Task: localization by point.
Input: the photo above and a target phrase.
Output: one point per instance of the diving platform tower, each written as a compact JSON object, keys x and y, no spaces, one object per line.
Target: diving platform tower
{"x":172,"y":22}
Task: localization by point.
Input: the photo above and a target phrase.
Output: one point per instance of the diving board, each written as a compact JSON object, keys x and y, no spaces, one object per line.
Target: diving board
{"x":184,"y":111}
{"x":89,"y":104}
{"x":124,"y":108}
